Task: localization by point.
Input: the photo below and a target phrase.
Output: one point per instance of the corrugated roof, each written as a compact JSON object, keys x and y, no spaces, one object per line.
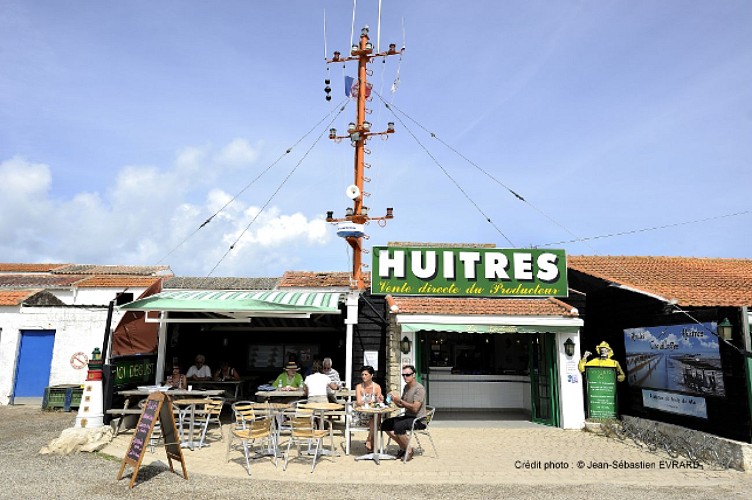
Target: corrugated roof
{"x":38,"y":280}
{"x":698,"y":282}
{"x":483,"y":306}
{"x":15,"y":297}
{"x":117,"y":281}
{"x":12,"y":267}
{"x":305,"y":279}
{"x":204,"y":283}
{"x":93,"y":269}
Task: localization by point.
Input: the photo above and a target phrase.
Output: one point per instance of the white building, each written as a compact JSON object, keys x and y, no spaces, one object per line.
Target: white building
{"x":53,"y":315}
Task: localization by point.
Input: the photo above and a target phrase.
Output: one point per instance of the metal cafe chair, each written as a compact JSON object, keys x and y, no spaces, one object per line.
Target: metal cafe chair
{"x":430,"y":411}
{"x":352,"y":424}
{"x":256,"y":430}
{"x":306,"y":428}
{"x":212,"y":411}
{"x":242,"y":412}
{"x":413,"y":432}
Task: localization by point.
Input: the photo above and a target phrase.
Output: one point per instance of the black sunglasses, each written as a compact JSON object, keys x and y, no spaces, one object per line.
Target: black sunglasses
{"x":408,"y":374}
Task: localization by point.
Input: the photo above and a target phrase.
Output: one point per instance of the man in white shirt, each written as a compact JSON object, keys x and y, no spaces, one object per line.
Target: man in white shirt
{"x":199,"y":371}
{"x":316,"y":384}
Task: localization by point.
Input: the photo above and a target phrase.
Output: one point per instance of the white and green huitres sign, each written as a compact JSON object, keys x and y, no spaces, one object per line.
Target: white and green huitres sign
{"x":469,"y":272}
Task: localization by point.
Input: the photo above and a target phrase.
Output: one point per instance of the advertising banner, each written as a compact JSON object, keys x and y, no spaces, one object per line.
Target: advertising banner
{"x":675,"y":403}
{"x":682,"y":358}
{"x":469,"y":272}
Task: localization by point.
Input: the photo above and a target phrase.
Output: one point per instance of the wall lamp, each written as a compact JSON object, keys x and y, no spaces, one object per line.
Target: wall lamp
{"x":569,"y":347}
{"x":405,"y":345}
{"x":725,"y":329}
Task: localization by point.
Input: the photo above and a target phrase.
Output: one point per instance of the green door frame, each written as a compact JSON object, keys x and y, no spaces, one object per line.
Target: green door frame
{"x":544,"y":380}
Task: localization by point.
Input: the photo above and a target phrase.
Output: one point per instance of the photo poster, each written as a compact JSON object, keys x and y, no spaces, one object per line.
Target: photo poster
{"x":682,"y":358}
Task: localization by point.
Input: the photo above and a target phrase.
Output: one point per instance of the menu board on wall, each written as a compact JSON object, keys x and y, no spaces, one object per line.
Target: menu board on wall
{"x":265,"y":356}
{"x":601,"y":392}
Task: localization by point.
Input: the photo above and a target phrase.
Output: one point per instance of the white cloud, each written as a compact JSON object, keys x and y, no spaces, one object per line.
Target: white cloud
{"x":237,"y":153}
{"x":151,"y":212}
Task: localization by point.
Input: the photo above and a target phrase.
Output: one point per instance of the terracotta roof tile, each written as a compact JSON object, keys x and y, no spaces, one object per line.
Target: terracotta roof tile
{"x":15,"y":297}
{"x":483,"y":306}
{"x":11,"y":267}
{"x":117,"y":281}
{"x":698,"y":282}
{"x":304,"y":279}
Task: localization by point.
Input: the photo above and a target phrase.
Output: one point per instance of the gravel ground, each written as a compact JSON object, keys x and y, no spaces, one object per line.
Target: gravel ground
{"x":24,"y":473}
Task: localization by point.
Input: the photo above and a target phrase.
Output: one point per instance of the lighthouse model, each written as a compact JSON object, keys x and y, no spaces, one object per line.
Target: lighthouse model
{"x":90,"y":411}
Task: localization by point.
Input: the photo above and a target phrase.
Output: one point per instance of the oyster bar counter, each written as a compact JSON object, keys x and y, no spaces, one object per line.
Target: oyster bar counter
{"x":449,"y":390}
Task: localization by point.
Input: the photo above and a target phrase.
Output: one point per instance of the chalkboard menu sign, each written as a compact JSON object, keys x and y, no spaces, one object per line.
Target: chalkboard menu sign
{"x":601,"y":392}
{"x":158,"y":408}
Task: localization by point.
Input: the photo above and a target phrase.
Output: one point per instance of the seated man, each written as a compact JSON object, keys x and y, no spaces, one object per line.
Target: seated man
{"x":199,"y":371}
{"x":290,"y":379}
{"x":335,"y":382}
{"x":412,"y":400}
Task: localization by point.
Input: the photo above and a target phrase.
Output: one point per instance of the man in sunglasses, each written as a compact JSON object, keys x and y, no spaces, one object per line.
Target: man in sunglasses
{"x":412,"y":400}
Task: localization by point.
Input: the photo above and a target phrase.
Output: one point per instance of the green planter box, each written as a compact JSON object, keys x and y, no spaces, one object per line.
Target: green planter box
{"x":62,"y":396}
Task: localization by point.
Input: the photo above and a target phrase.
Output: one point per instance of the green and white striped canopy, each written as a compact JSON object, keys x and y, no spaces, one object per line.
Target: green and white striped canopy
{"x":263,"y":303}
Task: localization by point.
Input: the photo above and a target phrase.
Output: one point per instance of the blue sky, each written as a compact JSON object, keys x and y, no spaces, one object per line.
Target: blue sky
{"x":125,"y":125}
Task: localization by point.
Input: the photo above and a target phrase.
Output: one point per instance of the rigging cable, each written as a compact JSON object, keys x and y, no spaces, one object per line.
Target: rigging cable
{"x":441,"y":167}
{"x":488,"y":174}
{"x":342,"y":106}
{"x":279,"y":188}
{"x":646,"y":229}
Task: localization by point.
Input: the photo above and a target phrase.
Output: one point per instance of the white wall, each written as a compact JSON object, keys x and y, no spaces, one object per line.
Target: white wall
{"x":79,"y":329}
{"x":571,"y":400}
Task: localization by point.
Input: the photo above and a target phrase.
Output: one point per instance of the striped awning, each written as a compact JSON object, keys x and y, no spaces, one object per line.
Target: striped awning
{"x":234,"y":302}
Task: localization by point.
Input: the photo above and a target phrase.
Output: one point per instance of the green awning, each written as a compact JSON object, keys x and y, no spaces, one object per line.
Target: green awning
{"x":469,"y":328}
{"x":265,"y":303}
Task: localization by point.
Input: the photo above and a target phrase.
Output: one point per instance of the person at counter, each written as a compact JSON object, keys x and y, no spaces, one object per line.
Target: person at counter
{"x":226,"y":372}
{"x":412,"y":400}
{"x":176,"y":380}
{"x":290,"y":379}
{"x":316,"y":384}
{"x":366,"y":393}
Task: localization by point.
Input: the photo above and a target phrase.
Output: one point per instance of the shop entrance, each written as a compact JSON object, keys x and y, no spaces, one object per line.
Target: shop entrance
{"x":543,"y":379}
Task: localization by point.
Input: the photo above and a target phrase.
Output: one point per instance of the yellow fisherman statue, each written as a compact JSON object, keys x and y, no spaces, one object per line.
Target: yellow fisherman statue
{"x":603,"y":360}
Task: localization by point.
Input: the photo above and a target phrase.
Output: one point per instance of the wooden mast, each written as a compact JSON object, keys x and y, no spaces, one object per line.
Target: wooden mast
{"x":358,"y":133}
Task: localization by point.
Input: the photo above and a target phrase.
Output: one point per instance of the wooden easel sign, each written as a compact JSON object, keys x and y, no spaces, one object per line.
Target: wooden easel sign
{"x":158,"y":406}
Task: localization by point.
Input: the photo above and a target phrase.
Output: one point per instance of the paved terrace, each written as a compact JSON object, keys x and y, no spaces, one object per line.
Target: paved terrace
{"x":482,"y":452}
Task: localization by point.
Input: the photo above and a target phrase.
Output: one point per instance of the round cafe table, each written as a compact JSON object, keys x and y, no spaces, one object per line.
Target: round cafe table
{"x":377,"y":413}
{"x":322,"y":408}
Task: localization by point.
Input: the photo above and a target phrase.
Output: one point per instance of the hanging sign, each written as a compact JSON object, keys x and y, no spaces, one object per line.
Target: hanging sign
{"x":601,"y":391}
{"x":469,"y":272}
